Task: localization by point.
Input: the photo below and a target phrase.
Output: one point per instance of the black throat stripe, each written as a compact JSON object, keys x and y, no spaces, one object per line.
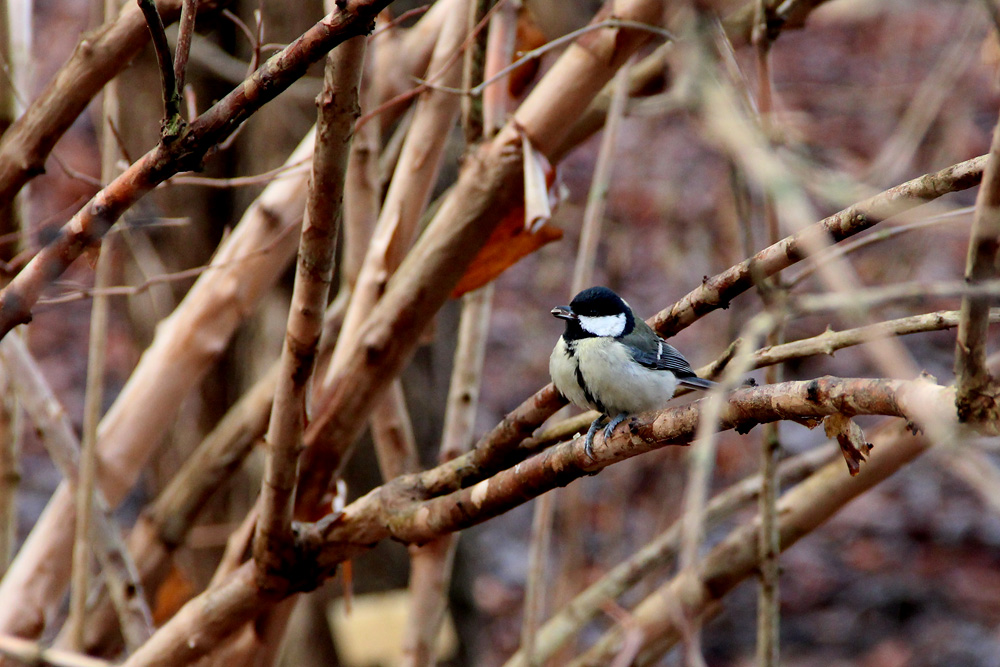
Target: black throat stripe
{"x":586,"y":390}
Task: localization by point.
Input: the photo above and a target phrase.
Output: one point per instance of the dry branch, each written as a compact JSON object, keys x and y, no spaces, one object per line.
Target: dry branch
{"x":338,"y":110}
{"x":392,"y":511}
{"x":982,"y":263}
{"x":181,"y":153}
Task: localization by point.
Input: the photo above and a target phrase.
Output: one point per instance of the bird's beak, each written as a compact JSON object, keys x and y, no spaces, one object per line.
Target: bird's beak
{"x":564,"y":313}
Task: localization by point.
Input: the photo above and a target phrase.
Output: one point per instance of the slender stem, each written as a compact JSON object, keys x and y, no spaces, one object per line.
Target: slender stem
{"x":185,"y":31}
{"x":171,"y":95}
{"x":93,"y":403}
{"x":971,"y":375}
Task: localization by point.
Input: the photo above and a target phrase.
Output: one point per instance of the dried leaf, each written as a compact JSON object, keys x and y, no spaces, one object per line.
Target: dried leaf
{"x":508,"y":243}
{"x":172,"y":594}
{"x":851,"y":439}
{"x":538,"y":178}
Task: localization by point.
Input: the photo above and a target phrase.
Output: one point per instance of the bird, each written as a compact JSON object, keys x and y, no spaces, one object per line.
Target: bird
{"x":611,"y":361}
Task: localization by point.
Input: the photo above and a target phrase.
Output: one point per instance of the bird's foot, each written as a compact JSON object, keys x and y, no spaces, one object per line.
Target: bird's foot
{"x":588,"y":443}
{"x":609,"y":429}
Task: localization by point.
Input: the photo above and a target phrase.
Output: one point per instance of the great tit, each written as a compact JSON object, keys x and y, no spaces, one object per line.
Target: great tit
{"x":611,"y":361}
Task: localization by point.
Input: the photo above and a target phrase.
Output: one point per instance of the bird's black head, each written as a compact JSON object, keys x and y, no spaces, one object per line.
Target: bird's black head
{"x":596,"y":312}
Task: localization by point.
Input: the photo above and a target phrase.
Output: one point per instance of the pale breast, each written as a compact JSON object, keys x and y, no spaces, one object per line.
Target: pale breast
{"x":562,"y":369}
{"x":618,"y":382}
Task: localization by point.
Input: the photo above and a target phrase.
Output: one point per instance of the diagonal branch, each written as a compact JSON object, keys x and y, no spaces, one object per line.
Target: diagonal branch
{"x":185,"y":153}
{"x":390,"y":511}
{"x":497,"y":447}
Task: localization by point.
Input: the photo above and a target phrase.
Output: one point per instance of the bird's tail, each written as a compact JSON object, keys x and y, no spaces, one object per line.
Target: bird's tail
{"x":696,"y":382}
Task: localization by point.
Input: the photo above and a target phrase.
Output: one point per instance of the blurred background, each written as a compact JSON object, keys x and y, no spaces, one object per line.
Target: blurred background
{"x":873,"y":92}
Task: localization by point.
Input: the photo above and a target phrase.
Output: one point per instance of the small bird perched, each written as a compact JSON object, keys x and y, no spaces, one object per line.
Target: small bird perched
{"x":611,"y":361}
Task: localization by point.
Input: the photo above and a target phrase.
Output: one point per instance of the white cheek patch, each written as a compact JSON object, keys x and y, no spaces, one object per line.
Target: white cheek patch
{"x":603,"y":325}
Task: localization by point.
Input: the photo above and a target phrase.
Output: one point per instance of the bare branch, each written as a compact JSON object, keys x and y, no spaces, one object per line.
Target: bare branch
{"x":185,"y":31}
{"x":172,"y":123}
{"x":971,"y":376}
{"x":338,"y":110}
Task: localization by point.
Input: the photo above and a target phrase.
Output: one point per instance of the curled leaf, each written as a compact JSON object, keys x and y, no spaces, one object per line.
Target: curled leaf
{"x":851,"y":439}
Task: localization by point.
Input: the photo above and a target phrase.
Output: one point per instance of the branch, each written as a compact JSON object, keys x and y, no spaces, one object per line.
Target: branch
{"x":338,"y":110}
{"x":185,"y":32}
{"x":497,"y":449}
{"x":172,"y":123}
{"x":971,"y":376}
{"x":391,"y":511}
{"x":185,"y":153}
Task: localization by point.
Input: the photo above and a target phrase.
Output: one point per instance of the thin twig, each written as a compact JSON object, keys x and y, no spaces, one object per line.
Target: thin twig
{"x":885,"y":234}
{"x":987,"y":290}
{"x":79,"y":293}
{"x":87,"y":482}
{"x":262,"y":178}
{"x":971,"y":375}
{"x":172,"y":123}
{"x":185,"y":31}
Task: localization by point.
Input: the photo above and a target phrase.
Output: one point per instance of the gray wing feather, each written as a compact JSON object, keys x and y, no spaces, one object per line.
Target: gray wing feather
{"x":666,"y":358}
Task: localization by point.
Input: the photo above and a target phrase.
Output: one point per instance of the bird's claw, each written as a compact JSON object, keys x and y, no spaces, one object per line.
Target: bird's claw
{"x":588,"y":442}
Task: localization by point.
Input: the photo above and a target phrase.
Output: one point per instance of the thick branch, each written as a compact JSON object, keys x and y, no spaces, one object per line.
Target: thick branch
{"x":391,"y":511}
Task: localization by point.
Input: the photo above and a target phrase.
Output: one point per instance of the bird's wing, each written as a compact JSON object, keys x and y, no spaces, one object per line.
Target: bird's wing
{"x":664,"y":357}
